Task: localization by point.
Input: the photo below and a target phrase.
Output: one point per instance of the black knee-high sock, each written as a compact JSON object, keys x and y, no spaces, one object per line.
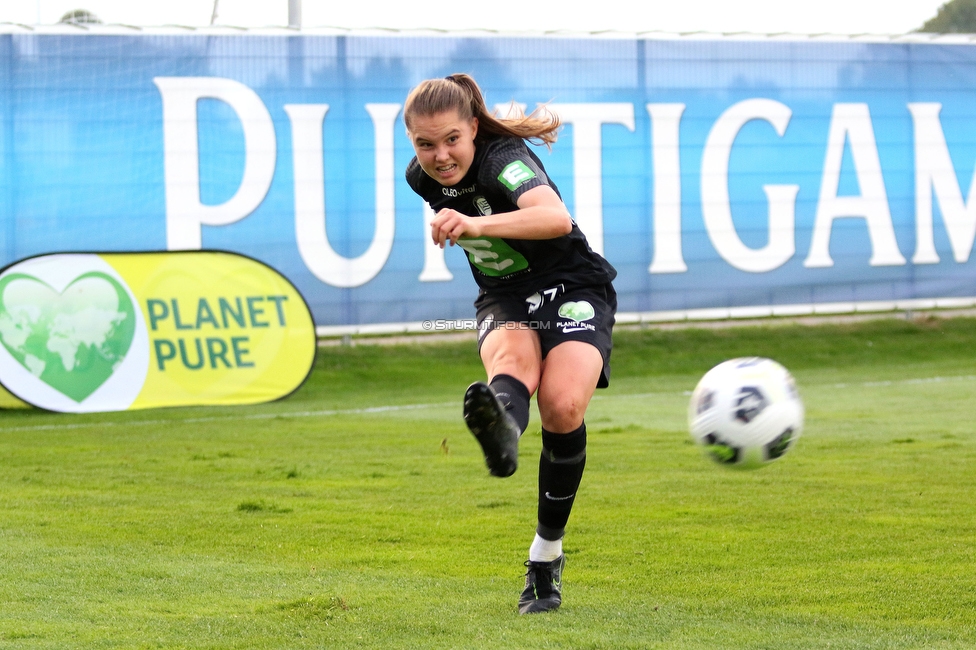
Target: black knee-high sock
{"x":560,"y":470}
{"x":515,"y":396}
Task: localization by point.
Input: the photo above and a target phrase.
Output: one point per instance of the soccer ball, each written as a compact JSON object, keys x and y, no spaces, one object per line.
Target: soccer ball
{"x":746,"y":412}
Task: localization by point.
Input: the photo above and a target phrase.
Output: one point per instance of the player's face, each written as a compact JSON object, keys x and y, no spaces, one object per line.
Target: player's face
{"x":445,"y":145}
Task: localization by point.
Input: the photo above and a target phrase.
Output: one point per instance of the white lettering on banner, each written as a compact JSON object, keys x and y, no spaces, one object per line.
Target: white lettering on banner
{"x":587,"y":121}
{"x":310,"y":215}
{"x":435,"y":268}
{"x":850,"y":125}
{"x":666,"y":162}
{"x":934,"y":173}
{"x":716,"y":207}
{"x":852,"y":122}
{"x":185,"y":213}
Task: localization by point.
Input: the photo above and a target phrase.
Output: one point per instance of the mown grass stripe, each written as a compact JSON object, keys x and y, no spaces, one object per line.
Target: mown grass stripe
{"x":393,"y":408}
{"x":222,"y":418}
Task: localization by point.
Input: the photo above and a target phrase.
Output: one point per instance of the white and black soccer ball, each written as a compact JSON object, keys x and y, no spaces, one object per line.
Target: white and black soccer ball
{"x":746,"y":412}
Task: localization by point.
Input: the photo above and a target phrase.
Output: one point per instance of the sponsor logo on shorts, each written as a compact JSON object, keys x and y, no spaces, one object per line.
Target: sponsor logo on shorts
{"x":577,"y":314}
{"x":578,"y":311}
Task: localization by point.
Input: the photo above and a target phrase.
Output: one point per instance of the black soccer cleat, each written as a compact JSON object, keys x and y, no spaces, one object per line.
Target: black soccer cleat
{"x":495,"y":430}
{"x":543,"y":586}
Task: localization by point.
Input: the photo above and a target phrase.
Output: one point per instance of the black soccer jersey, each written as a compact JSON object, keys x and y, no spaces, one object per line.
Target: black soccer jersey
{"x":503,"y":169}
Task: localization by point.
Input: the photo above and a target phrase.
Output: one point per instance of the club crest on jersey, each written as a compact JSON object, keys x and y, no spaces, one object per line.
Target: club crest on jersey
{"x":482,"y":206}
{"x":515,"y":174}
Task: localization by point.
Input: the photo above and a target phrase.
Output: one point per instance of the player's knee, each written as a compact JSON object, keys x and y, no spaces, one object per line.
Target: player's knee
{"x":562,"y":413}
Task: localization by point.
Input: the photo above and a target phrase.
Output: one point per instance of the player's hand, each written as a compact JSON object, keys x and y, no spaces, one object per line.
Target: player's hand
{"x":448,"y":226}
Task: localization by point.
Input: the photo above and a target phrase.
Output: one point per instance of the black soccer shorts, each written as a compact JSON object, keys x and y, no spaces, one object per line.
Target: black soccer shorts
{"x":557,"y":314}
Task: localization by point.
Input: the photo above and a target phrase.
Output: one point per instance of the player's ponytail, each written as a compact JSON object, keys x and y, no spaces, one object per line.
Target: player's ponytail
{"x":461,"y":93}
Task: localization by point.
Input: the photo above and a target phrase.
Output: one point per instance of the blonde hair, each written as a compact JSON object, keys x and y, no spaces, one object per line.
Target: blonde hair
{"x":461,"y":93}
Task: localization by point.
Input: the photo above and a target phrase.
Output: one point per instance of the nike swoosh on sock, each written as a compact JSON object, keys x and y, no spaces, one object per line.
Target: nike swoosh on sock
{"x":552,"y":498}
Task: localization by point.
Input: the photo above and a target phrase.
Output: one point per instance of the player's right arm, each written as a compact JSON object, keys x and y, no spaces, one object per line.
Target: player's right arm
{"x":541,"y":214}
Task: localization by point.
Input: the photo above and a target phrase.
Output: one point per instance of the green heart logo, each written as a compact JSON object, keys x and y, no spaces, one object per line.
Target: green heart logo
{"x":72,"y":341}
{"x":577,"y":311}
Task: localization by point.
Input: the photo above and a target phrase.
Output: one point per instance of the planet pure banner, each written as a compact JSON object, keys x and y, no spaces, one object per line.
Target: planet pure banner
{"x":85,"y":332}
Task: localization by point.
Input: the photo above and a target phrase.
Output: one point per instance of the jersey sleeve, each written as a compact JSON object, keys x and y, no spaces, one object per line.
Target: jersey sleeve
{"x":511,"y":169}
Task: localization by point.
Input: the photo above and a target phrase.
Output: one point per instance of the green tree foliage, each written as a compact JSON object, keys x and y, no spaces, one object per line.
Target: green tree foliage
{"x":80,"y":17}
{"x":955,"y":17}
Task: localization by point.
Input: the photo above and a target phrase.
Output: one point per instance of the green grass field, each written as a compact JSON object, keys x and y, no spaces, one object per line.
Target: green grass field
{"x":358,"y":513}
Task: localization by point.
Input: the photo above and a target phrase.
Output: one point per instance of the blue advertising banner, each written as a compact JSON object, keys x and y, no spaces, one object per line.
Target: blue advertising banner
{"x":714,"y":173}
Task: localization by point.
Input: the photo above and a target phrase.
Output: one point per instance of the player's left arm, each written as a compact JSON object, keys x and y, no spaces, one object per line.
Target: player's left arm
{"x":541,"y":214}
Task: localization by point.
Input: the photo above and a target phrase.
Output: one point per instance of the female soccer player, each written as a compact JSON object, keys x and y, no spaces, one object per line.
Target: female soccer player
{"x":545,"y":308}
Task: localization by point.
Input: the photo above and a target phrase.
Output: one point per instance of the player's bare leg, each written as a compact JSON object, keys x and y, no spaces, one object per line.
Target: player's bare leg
{"x":569,"y":376}
{"x":515,"y":352}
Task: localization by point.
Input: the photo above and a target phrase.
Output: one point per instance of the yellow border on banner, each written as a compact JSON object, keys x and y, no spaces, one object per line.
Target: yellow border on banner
{"x":10,"y":401}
